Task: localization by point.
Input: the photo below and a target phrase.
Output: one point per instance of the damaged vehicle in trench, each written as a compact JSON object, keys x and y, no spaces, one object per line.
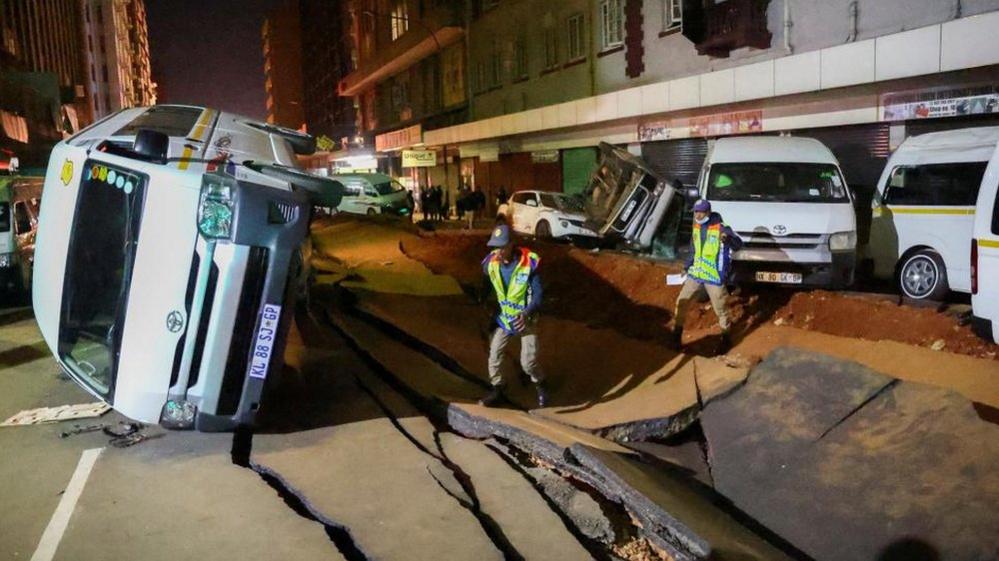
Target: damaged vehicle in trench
{"x":632,"y":206}
{"x":167,"y":258}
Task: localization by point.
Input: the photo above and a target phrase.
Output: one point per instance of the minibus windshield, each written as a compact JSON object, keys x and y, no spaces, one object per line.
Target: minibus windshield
{"x":786,"y":182}
{"x":98,"y":272}
{"x":388,"y":187}
{"x":4,"y":217}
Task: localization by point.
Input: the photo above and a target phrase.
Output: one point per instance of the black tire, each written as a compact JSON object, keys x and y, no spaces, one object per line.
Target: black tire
{"x":923,"y":276}
{"x":543,"y":230}
{"x":372,"y":212}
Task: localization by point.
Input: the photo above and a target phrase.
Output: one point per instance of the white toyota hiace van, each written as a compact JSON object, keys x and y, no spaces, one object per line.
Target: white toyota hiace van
{"x":786,"y":198}
{"x":923,"y":211}
{"x":167,"y":241}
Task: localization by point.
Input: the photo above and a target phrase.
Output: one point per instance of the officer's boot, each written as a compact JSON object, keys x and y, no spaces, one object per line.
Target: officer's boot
{"x":726,"y":343}
{"x":492,"y":398}
{"x":542,"y":393}
{"x":676,"y":338}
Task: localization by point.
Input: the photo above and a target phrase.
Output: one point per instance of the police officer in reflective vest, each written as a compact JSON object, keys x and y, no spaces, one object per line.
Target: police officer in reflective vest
{"x":513,"y":274}
{"x":708,"y":266}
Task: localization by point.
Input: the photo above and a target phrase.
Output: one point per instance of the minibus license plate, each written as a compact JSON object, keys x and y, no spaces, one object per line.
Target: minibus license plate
{"x":787,"y":278}
{"x":265,"y":341}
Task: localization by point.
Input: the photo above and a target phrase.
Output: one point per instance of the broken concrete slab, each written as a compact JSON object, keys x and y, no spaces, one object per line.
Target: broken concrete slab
{"x":686,"y":457}
{"x":911,"y":462}
{"x":373,"y":257}
{"x":788,"y":404}
{"x":513,"y":503}
{"x":369,"y":478}
{"x":584,"y":512}
{"x":972,"y":377}
{"x":674,"y":517}
{"x":152,"y":502}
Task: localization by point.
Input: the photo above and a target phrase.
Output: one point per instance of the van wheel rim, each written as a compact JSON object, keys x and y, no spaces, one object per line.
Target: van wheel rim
{"x":920,"y":278}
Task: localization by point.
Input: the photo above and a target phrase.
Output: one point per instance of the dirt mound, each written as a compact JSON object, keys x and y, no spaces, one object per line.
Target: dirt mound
{"x":629,"y":294}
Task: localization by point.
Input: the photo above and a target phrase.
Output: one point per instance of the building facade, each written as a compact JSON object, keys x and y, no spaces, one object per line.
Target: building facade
{"x":282,"y":34}
{"x":547,"y":81}
{"x":117,"y":62}
{"x":327,"y":57}
{"x":409,"y":75}
{"x":42,"y":81}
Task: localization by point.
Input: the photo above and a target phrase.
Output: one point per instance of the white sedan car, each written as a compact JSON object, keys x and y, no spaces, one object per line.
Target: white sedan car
{"x":543,"y":214}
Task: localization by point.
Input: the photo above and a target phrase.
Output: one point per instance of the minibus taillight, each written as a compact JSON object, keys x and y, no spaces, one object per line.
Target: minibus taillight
{"x":974,"y":266}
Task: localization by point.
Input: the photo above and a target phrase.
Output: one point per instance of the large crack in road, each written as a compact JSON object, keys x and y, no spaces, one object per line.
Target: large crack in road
{"x":381,"y":388}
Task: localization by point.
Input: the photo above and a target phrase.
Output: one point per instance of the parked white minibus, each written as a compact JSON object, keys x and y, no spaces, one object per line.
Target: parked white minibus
{"x":924,"y":209}
{"x":167,"y":238}
{"x":787,"y":199}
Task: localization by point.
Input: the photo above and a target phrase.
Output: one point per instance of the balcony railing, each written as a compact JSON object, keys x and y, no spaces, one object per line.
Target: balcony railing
{"x":734,"y":24}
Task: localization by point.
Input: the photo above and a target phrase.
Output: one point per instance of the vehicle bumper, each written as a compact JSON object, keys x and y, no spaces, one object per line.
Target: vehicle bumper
{"x":241,"y":392}
{"x":571,"y":230}
{"x":839,"y":270}
{"x":984,"y":328}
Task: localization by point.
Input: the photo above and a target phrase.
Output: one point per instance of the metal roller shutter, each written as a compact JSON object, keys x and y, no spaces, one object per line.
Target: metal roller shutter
{"x":577,"y":165}
{"x":677,"y":159}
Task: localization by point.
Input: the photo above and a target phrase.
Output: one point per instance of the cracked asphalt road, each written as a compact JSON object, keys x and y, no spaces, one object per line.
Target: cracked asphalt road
{"x":343,"y":467}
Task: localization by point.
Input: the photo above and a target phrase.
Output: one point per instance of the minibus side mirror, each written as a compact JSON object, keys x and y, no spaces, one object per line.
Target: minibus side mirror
{"x":692,"y":193}
{"x":151,"y":144}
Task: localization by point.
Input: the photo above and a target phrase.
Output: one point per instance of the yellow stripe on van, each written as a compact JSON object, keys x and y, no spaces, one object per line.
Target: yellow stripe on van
{"x":199,"y":131}
{"x":963,"y":211}
{"x":988,"y":243}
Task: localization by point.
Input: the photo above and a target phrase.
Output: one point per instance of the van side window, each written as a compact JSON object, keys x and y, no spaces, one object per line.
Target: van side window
{"x":995,"y":217}
{"x":352,"y":189}
{"x":953,"y":184}
{"x":22,"y":224}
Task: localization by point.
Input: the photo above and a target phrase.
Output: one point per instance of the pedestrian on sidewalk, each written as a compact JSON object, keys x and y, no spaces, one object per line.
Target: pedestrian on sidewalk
{"x":513,"y":273}
{"x":708,"y":267}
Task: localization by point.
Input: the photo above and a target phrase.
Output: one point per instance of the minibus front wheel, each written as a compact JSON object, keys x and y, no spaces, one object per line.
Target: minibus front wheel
{"x":923,"y":276}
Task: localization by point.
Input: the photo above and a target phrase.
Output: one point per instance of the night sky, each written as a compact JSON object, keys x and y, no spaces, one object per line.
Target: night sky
{"x":209,"y":52}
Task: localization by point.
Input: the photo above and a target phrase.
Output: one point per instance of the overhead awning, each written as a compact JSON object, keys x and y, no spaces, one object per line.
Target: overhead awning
{"x":15,"y":127}
{"x":363,"y":78}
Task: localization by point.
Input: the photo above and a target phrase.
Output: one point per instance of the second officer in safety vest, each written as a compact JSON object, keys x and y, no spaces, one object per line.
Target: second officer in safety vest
{"x":708,"y":267}
{"x":513,"y":274}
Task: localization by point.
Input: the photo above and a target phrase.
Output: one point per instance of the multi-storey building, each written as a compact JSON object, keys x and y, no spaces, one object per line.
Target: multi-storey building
{"x":282,"y":40}
{"x":550,"y":80}
{"x":327,"y":57}
{"x":42,"y":82}
{"x":117,"y":55}
{"x":409,"y":76}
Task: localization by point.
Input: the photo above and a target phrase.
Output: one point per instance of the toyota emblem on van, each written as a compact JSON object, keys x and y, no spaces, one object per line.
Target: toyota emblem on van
{"x":779,"y":229}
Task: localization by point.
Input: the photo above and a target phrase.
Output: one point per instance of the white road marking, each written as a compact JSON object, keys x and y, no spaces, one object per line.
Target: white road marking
{"x":60,"y":518}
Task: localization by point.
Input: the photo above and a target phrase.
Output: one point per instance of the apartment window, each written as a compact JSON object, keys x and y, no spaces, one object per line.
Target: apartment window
{"x":100,"y":14}
{"x":104,"y":73}
{"x":672,"y":13}
{"x":86,"y":10}
{"x":551,"y":48}
{"x":103,"y":45}
{"x":520,"y":58}
{"x":90,"y":43}
{"x":494,"y":66}
{"x":574,"y":45}
{"x":400,"y":19}
{"x":93,"y":73}
{"x":612,"y":23}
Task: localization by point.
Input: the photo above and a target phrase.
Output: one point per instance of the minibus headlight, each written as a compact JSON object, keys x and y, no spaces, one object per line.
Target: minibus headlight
{"x":6,"y":259}
{"x":178,"y":414}
{"x":216,"y":208}
{"x":842,"y":241}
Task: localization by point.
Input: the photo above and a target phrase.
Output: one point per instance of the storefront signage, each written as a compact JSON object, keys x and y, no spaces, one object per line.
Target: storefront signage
{"x":399,"y":139}
{"x":939,"y":103}
{"x":739,"y":122}
{"x":544,"y":157}
{"x":651,"y":132}
{"x":419,"y":158}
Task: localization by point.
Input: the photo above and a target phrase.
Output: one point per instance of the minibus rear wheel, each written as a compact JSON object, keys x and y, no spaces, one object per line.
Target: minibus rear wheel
{"x":923,"y":276}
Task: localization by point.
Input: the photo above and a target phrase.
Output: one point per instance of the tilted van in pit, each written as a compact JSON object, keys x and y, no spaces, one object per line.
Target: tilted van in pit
{"x":167,"y":238}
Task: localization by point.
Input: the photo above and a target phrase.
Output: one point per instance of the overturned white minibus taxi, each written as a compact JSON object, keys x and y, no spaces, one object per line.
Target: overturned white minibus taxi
{"x":166,"y":253}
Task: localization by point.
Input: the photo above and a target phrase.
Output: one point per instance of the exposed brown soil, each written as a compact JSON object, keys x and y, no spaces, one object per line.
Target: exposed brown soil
{"x":629,"y":294}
